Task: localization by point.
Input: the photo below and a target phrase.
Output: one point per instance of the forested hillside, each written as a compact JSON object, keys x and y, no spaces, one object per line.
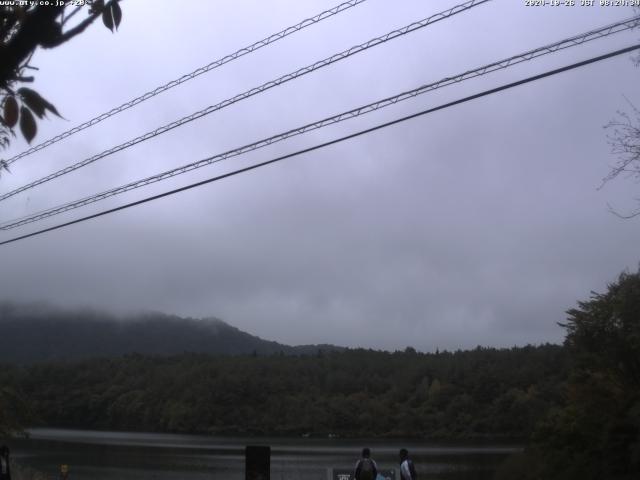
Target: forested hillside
{"x":478,"y":393}
{"x":595,"y":434}
{"x":36,"y":333}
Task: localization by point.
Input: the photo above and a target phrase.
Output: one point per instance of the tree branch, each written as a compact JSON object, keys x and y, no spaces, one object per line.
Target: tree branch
{"x":35,"y":29}
{"x":39,"y":28}
{"x":633,"y":214}
{"x":68,"y":17}
{"x":69,"y":34}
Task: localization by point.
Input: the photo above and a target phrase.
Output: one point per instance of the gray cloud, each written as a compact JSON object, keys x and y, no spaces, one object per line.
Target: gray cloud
{"x":480,"y":224}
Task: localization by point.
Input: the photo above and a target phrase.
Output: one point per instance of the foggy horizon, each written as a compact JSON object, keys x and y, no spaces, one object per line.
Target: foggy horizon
{"x":43,"y":307}
{"x":480,"y":224}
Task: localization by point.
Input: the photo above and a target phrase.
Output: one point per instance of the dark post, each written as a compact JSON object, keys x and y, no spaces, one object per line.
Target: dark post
{"x":257,"y":465}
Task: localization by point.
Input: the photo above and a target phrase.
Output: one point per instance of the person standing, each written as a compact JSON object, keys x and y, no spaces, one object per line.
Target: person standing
{"x":407,"y":469}
{"x":366,"y":468}
{"x":5,"y":468}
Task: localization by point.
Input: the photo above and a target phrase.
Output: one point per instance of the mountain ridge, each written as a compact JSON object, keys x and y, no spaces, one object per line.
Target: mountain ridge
{"x":39,"y":332}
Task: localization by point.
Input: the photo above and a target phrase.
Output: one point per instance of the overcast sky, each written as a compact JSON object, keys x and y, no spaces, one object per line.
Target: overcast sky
{"x":477,"y":225}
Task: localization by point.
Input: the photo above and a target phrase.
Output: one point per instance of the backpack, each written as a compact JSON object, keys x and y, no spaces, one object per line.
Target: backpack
{"x":412,"y":470}
{"x":366,"y":469}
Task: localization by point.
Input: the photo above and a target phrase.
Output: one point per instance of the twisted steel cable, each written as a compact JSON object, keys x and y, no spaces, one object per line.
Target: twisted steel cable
{"x":330,"y":142}
{"x":189,"y":76}
{"x":254,"y":91}
{"x":356,"y":112}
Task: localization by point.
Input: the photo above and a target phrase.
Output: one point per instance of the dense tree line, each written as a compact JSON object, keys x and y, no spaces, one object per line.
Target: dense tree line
{"x":578,"y":404}
{"x":595,"y":433}
{"x":465,"y":394}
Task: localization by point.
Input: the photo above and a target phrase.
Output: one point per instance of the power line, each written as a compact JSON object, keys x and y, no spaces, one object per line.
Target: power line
{"x":498,"y":65}
{"x":189,"y":76}
{"x":332,"y":142}
{"x":254,"y":91}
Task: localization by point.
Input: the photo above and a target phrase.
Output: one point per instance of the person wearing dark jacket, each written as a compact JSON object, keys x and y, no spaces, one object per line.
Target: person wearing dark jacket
{"x":407,"y":469}
{"x":366,"y":468}
{"x":5,"y":469}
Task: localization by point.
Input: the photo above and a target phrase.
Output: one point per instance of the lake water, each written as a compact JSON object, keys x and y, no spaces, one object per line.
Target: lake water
{"x":93,"y":455}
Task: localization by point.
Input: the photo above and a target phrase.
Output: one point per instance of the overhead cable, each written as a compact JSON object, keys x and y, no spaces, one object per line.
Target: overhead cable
{"x":331,"y":142}
{"x":254,"y":91}
{"x":469,"y":74}
{"x":189,"y":76}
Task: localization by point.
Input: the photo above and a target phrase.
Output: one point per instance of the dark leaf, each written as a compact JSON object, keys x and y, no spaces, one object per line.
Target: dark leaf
{"x":117,"y":13}
{"x":107,"y":19}
{"x":27,"y":124}
{"x":53,"y":110}
{"x":36,"y":103}
{"x":33,"y":100}
{"x":10,"y":112}
{"x":96,"y":7}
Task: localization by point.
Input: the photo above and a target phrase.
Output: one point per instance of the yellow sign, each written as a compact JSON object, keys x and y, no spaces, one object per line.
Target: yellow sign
{"x":64,"y":468}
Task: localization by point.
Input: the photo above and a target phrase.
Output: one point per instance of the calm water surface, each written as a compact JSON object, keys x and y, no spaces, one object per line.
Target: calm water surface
{"x":93,"y":455}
